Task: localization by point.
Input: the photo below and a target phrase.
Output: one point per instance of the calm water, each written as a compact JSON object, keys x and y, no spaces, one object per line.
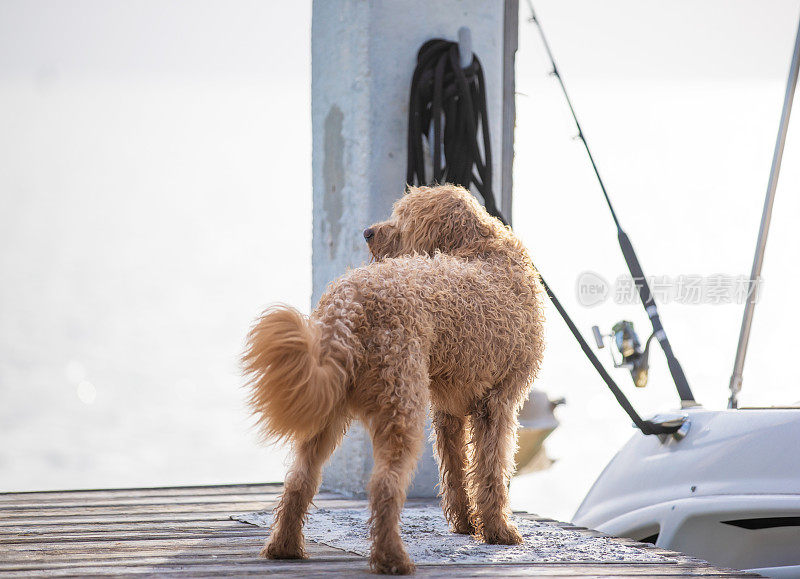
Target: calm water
{"x":144,"y":223}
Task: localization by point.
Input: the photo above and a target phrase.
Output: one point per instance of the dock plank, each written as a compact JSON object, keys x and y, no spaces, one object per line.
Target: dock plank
{"x":56,"y":496}
{"x":360,"y":569}
{"x":116,"y":526}
{"x":137,"y":501}
{"x":189,"y":554}
{"x":55,"y":511}
{"x":187,"y":531}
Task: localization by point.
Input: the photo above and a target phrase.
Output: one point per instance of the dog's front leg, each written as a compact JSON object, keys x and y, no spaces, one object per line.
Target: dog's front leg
{"x":286,"y":540}
{"x":397,"y":441}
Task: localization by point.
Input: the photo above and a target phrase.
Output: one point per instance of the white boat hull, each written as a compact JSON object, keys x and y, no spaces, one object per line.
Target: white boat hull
{"x":729,"y":492}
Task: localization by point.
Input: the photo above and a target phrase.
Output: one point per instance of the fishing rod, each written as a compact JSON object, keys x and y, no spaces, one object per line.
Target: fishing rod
{"x":632,"y":261}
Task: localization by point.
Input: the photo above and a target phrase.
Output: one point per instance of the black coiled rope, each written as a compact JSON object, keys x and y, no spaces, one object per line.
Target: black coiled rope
{"x":448,"y":110}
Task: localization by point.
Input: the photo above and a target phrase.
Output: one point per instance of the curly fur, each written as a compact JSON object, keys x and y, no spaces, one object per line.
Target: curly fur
{"x":448,"y":314}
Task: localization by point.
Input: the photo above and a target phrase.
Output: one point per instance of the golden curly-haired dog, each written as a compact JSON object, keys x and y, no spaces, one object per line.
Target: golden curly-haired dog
{"x":449,"y":314}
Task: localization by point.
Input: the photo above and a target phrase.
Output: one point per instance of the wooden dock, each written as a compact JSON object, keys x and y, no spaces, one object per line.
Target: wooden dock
{"x":188,"y":531}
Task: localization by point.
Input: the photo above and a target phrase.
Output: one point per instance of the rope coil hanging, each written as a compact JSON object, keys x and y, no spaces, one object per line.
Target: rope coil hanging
{"x":447,"y":108}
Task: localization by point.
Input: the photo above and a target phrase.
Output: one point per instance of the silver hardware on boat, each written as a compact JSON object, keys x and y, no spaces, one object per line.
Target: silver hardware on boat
{"x":671,"y":420}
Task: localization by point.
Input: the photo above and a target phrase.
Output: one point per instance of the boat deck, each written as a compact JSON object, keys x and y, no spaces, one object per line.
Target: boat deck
{"x":189,"y":531}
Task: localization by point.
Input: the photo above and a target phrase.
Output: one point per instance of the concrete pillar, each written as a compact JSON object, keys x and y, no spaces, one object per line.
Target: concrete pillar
{"x":363,"y":56}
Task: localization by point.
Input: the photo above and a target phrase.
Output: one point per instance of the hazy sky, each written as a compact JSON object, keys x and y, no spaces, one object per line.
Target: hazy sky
{"x":733,"y":39}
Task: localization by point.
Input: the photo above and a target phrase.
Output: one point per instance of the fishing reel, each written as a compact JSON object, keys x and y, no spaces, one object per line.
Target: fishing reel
{"x":627,"y":343}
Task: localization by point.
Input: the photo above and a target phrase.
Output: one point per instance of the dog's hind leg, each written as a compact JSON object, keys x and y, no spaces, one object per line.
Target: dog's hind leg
{"x":494,"y":425}
{"x":451,"y":454}
{"x":286,"y":540}
{"x":397,"y":434}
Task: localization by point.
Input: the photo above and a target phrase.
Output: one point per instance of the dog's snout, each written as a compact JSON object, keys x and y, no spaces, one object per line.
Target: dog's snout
{"x":369,"y":233}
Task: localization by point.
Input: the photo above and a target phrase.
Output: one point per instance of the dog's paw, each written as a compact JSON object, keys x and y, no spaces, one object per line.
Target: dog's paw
{"x":464,"y":527}
{"x":505,"y":535}
{"x":392,"y":564}
{"x":284,"y":549}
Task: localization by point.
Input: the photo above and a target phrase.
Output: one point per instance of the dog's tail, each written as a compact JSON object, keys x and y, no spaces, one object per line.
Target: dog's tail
{"x":295,"y":384}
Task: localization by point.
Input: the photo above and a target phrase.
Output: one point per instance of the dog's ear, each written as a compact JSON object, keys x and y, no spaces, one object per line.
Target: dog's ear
{"x":443,"y":218}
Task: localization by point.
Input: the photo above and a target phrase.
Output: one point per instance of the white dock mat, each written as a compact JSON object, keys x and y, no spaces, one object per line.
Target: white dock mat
{"x":428,"y":539}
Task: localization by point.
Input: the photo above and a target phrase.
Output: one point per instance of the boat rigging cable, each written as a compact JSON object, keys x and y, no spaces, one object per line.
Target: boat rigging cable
{"x":632,"y":261}
{"x":443,"y":92}
{"x":763,"y":230}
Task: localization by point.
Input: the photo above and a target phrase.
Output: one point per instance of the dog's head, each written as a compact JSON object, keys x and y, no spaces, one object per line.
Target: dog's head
{"x":446,"y":218}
